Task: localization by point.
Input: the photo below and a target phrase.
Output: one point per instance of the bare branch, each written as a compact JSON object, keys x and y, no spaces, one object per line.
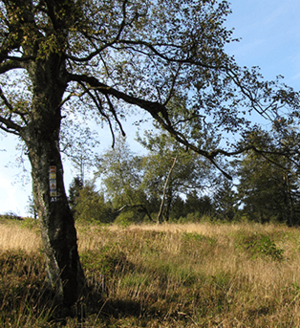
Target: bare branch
{"x":97,"y":101}
{"x":112,"y":109}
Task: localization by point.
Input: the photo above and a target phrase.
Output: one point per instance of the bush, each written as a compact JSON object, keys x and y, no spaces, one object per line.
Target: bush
{"x":190,"y":218}
{"x":196,"y":218}
{"x":11,"y":216}
{"x":261,"y":245}
{"x":128,"y":217}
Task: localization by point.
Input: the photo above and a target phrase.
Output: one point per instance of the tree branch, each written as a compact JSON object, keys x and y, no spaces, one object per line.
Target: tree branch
{"x":160,"y":113}
{"x":106,"y":45}
{"x":142,"y":206}
{"x":10,"y":126}
{"x":9,"y":65}
{"x":97,"y":101}
{"x":182,"y":60}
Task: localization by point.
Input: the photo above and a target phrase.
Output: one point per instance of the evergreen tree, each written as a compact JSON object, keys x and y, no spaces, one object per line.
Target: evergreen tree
{"x":91,"y":206}
{"x":75,"y":186}
{"x":226,"y":201}
{"x":268,"y":186}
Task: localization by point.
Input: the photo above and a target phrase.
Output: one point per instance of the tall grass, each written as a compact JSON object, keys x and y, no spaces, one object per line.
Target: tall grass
{"x":17,"y":236}
{"x":191,"y":275}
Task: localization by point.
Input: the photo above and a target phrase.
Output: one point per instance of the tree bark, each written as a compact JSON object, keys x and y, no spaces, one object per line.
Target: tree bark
{"x":57,"y":225}
{"x":41,"y":136}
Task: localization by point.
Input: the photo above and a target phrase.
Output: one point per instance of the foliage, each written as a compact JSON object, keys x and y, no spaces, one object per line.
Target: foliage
{"x":119,"y":171}
{"x":203,"y":205}
{"x":268,"y":186}
{"x":260,"y":245}
{"x":90,"y":206}
{"x":128,"y":217}
{"x":190,"y":173}
{"x":74,"y":189}
{"x":195,"y":217}
{"x":31,"y":208}
{"x":135,"y":184}
{"x":11,"y":216}
{"x":117,"y":52}
{"x":78,"y":144}
{"x":226,"y":201}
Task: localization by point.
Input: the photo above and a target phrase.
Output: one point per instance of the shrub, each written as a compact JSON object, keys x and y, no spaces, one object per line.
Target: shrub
{"x":261,"y":245}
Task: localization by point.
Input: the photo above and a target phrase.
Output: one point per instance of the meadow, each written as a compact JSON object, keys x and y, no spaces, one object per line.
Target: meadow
{"x":169,"y":275}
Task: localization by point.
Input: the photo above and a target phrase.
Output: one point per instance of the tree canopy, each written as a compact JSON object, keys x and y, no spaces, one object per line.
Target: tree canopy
{"x":155,"y":55}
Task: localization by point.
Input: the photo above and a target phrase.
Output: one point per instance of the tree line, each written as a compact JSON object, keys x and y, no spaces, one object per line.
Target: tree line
{"x":170,"y":183}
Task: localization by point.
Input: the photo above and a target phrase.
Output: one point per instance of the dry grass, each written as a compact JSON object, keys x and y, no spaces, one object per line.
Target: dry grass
{"x":192,"y":275}
{"x":238,"y":288}
{"x":17,"y":236}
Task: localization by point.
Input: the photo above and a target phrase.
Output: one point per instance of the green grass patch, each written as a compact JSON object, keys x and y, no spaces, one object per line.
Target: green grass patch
{"x":260,"y":245}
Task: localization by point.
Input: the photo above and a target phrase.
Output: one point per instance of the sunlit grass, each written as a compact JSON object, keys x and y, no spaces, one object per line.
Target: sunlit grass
{"x":191,"y":275}
{"x":16,"y":236}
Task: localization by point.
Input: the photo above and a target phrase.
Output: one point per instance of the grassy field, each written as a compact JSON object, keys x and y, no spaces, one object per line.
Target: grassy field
{"x":192,"y":275}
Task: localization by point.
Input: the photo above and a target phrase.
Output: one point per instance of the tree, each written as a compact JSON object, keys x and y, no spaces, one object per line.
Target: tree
{"x":90,"y":205}
{"x":120,"y":172}
{"x":171,"y":171}
{"x":268,"y":186}
{"x":225,"y":200}
{"x":79,"y":145}
{"x":31,"y":208}
{"x":75,"y":186}
{"x":62,"y":58}
{"x":198,"y":205}
{"x":153,"y":182}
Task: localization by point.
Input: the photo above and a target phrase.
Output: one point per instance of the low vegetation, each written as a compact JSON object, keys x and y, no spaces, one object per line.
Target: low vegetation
{"x":171,"y":275}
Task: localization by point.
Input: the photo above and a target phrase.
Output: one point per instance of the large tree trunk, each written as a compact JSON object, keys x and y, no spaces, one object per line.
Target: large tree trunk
{"x":56,"y":220}
{"x":57,"y":224}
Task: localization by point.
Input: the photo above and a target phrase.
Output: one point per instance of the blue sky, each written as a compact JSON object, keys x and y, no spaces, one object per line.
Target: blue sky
{"x":270,"y":38}
{"x":270,"y":32}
